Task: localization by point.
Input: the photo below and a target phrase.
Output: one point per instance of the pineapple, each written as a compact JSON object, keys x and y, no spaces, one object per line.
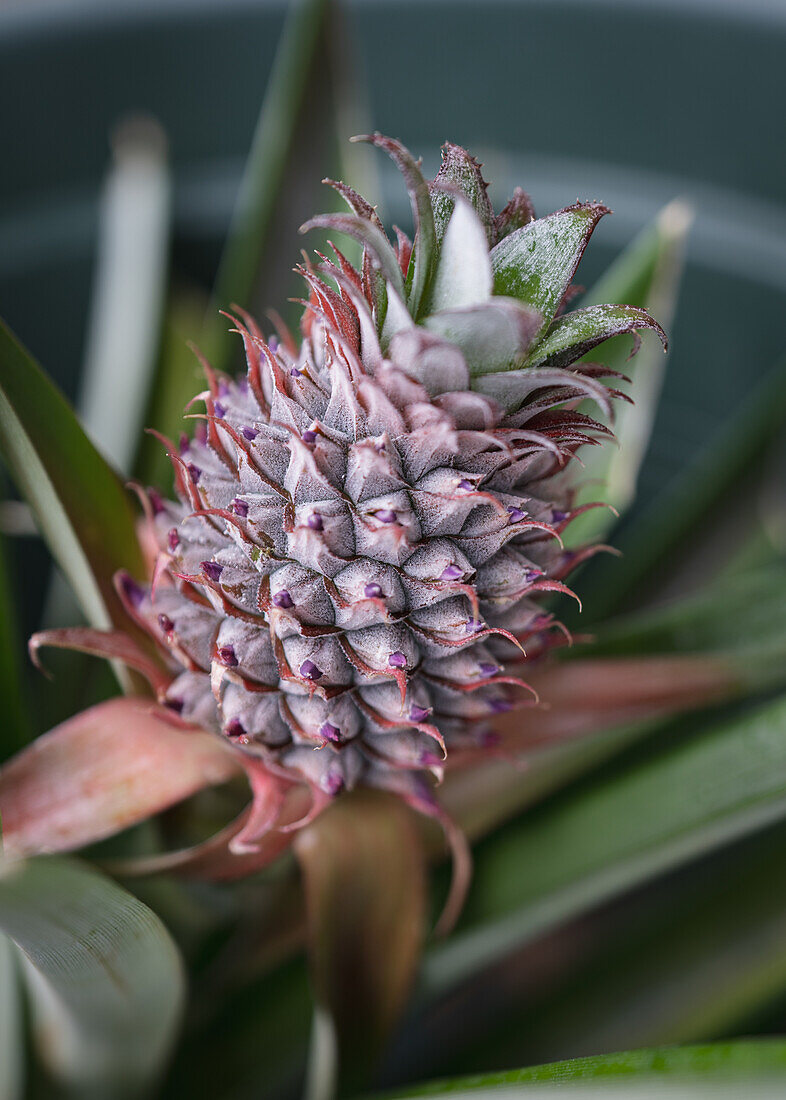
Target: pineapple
{"x":349,"y":584}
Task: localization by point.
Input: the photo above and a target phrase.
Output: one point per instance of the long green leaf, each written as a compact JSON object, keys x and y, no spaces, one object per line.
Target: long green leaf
{"x":80,"y":506}
{"x":646,"y":274}
{"x":722,"y":1063}
{"x":621,"y":831}
{"x":698,"y":963}
{"x":105,"y":977}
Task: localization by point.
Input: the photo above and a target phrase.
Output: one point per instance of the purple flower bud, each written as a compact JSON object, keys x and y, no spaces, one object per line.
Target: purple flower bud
{"x":183,"y":442}
{"x":234,"y":728}
{"x":314,"y":521}
{"x":386,"y":515}
{"x":173,"y":539}
{"x":472,"y":626}
{"x":330,"y":732}
{"x":283,"y":599}
{"x":249,"y":433}
{"x":558,"y":516}
{"x":466,"y":485}
{"x":156,"y":503}
{"x":500,"y":706}
{"x":516,"y":515}
{"x":212,"y":569}
{"x":310,"y":671}
{"x":194,"y":472}
{"x":397,"y":660}
{"x":532,"y":575}
{"x":488,"y":668}
{"x":133,"y":592}
{"x":333,"y":782}
{"x":223,"y":387}
{"x":294,"y":371}
{"x":418,"y":714}
{"x":373,"y":591}
{"x":429,"y":759}
{"x":166,"y":624}
{"x":309,"y":436}
{"x":240,"y":507}
{"x":451,"y":573}
{"x":219,"y":409}
{"x":227,"y":655}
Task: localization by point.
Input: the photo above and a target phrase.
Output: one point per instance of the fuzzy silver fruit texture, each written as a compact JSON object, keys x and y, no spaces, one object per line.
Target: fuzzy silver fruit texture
{"x":368,"y":519}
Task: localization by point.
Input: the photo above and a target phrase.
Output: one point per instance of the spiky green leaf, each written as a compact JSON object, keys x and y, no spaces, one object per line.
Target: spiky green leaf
{"x":537,"y":262}
{"x":580,"y":331}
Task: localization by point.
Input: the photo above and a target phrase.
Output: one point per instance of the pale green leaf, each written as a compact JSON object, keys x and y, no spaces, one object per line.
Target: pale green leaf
{"x":105,"y":978}
{"x":646,"y":274}
{"x":11,"y":1037}
{"x":463,"y":273}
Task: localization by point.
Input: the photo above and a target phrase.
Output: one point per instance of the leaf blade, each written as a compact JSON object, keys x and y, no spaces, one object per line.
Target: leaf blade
{"x":108,"y":988}
{"x":698,"y":795}
{"x":80,"y":506}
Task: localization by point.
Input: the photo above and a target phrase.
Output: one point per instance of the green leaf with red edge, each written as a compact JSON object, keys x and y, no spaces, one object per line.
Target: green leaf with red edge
{"x":104,"y":977}
{"x":364,"y":876}
{"x":102,"y":771}
{"x":81,"y":508}
{"x":579,"y":332}
{"x":536,"y":263}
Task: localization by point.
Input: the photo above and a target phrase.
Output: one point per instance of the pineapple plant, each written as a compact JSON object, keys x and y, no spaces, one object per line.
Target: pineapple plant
{"x":349,"y":585}
{"x":352,"y":602}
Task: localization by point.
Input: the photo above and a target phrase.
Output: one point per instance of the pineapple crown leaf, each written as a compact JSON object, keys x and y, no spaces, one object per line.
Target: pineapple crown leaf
{"x":490,"y":288}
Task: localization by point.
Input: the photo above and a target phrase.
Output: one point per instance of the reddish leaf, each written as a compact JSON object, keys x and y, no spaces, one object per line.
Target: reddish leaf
{"x":103,"y":771}
{"x":364,"y":873}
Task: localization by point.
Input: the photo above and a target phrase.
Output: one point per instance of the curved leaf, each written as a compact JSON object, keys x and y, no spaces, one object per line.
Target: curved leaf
{"x":102,"y":771}
{"x":578,"y":332}
{"x":743,"y":1060}
{"x":537,"y":262}
{"x":423,"y":252}
{"x":105,"y":978}
{"x":80,"y":506}
{"x":627,"y":828}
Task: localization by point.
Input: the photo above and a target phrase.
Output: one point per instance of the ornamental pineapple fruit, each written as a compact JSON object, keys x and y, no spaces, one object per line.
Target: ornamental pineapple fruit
{"x":366,"y":521}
